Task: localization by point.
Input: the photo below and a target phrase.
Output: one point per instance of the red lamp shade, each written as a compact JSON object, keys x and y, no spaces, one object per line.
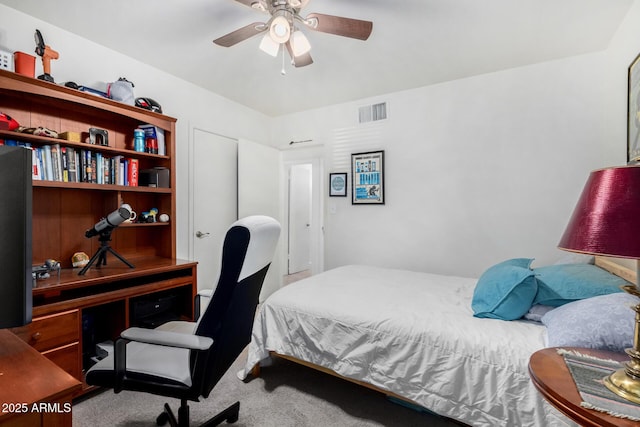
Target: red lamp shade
{"x":606,"y":220}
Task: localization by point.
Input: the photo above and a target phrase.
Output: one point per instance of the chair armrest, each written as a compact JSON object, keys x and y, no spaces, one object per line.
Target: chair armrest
{"x":167,"y":338}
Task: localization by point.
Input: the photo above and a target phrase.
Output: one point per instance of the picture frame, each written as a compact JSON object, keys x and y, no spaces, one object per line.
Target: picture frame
{"x":633,"y":112}
{"x":338,"y":184}
{"x":367,"y":178}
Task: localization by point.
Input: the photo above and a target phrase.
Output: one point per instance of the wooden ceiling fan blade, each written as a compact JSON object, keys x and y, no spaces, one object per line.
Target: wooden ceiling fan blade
{"x":345,"y":27}
{"x":241,"y":34}
{"x":300,"y":60}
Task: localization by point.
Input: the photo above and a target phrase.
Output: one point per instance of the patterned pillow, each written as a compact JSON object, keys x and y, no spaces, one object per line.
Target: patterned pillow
{"x":560,"y":284}
{"x":604,"y":322}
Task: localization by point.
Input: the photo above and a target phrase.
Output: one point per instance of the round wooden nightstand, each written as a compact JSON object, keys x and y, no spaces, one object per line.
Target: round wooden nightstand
{"x":552,"y":378}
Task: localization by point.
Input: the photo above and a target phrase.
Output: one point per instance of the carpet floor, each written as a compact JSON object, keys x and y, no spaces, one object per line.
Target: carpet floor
{"x":286,"y":394}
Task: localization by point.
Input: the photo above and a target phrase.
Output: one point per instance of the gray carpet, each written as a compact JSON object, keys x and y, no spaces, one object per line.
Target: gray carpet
{"x":286,"y":394}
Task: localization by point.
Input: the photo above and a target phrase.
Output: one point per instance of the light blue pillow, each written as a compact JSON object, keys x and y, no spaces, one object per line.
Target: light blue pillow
{"x":505,"y":291}
{"x":604,"y":322}
{"x":561,"y":284}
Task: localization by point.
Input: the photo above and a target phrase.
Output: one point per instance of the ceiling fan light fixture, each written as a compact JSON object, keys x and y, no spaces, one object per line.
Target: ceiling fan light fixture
{"x":280,"y":30}
{"x":294,"y":3}
{"x":268,"y":46}
{"x":299,"y":43}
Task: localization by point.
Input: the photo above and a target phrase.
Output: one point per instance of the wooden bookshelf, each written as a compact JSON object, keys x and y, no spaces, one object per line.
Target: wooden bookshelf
{"x":68,"y":306}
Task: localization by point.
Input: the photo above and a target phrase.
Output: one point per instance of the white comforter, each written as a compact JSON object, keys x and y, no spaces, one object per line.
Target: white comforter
{"x":412,"y":334}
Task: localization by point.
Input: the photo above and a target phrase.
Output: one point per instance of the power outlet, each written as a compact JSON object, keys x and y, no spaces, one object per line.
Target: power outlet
{"x":6,"y":60}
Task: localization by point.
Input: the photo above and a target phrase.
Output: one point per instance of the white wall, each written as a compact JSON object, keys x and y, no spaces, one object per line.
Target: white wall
{"x":477,"y":170}
{"x":90,"y":64}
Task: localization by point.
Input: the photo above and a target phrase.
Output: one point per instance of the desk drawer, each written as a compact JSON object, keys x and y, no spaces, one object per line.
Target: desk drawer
{"x":48,"y":332}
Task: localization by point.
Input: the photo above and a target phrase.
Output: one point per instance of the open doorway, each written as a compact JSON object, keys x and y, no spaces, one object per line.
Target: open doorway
{"x":304,"y":223}
{"x":300,"y":200}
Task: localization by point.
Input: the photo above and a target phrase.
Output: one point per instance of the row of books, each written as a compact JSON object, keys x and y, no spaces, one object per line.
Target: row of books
{"x":67,"y":164}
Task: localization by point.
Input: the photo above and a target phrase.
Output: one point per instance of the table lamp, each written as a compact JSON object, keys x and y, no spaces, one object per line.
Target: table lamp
{"x":606,"y":221}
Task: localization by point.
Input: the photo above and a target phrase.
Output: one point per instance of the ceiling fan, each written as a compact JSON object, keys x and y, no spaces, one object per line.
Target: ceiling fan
{"x":283,"y":28}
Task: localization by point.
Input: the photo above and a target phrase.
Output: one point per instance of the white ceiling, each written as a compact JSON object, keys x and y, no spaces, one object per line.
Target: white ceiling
{"x":414,"y":42}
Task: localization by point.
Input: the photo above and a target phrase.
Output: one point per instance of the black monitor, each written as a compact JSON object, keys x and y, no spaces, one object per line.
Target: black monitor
{"x":16,"y":283}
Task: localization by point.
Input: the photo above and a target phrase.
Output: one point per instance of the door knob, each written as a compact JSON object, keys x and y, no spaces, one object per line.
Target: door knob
{"x":200,"y":234}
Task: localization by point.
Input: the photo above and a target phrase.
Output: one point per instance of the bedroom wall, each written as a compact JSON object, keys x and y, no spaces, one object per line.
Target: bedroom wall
{"x":93,"y":65}
{"x":477,"y":170}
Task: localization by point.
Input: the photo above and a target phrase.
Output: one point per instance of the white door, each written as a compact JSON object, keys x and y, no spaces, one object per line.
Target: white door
{"x":214,"y":200}
{"x":300,"y":189}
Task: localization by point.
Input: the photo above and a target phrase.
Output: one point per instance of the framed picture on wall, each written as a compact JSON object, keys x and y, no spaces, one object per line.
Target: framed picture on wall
{"x":367,"y":178}
{"x":338,"y":184}
{"x":633,"y":112}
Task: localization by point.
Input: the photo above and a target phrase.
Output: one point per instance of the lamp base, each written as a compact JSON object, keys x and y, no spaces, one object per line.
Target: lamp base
{"x":625,"y":382}
{"x":624,"y":385}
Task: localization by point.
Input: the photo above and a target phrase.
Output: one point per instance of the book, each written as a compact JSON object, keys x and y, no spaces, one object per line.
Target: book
{"x":94,"y":167}
{"x":151,"y":131}
{"x":71,"y":162}
{"x":133,"y":172}
{"x":99,"y":168}
{"x":35,"y":168}
{"x":48,"y":165}
{"x":65,"y":164}
{"x":58,"y":165}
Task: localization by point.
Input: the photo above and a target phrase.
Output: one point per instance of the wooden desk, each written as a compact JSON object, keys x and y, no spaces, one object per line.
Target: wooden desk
{"x":34,"y":391}
{"x":552,"y":378}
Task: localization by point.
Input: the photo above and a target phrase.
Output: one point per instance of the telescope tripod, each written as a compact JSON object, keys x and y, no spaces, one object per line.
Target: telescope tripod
{"x":101,"y":253}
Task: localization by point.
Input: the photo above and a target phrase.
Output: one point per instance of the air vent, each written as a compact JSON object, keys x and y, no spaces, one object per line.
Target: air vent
{"x":372,"y":113}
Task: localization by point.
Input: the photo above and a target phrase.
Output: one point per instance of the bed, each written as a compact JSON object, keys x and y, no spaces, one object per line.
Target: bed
{"x":411,"y":335}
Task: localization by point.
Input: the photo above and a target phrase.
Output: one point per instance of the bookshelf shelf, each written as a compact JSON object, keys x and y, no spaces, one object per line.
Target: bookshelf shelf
{"x":63,"y":211}
{"x":100,"y":187}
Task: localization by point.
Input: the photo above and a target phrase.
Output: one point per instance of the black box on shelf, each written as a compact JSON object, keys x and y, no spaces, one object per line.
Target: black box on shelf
{"x":152,"y":311}
{"x":156,"y":177}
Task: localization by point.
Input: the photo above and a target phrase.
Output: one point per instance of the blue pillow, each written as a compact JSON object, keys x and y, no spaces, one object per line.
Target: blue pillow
{"x":505,"y":291}
{"x":604,"y":322}
{"x":561,"y":284}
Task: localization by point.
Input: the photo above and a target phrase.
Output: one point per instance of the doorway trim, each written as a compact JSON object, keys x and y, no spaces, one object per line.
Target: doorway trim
{"x":317,"y":197}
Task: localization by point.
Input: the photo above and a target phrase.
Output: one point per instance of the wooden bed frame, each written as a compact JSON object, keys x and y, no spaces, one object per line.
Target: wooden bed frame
{"x":621,"y":268}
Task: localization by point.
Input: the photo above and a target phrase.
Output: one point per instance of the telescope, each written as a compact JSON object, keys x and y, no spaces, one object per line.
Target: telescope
{"x":111,"y":221}
{"x":104,"y":227}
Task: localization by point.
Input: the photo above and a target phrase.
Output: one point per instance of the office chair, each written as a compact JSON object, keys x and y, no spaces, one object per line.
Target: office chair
{"x":168,"y":362}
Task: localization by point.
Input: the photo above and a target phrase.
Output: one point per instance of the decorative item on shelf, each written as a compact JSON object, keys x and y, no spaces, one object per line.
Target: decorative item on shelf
{"x":163,"y":217}
{"x":104,"y":227}
{"x":606,"y":221}
{"x":79,"y":259}
{"x":122,"y":91}
{"x":47,"y":55}
{"x":132,"y":217}
{"x":138,"y":140}
{"x":40,"y":272}
{"x":156,"y":177}
{"x":149,"y":216}
{"x":24,"y":64}
{"x":8,"y":123}
{"x":38,"y":131}
{"x":156,"y":133}
{"x":70,"y":136}
{"x":148,"y":104}
{"x":6,"y":60}
{"x":98,"y":136}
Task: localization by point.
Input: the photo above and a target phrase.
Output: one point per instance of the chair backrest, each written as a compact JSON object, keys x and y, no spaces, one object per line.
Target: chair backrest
{"x":248,"y":249}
